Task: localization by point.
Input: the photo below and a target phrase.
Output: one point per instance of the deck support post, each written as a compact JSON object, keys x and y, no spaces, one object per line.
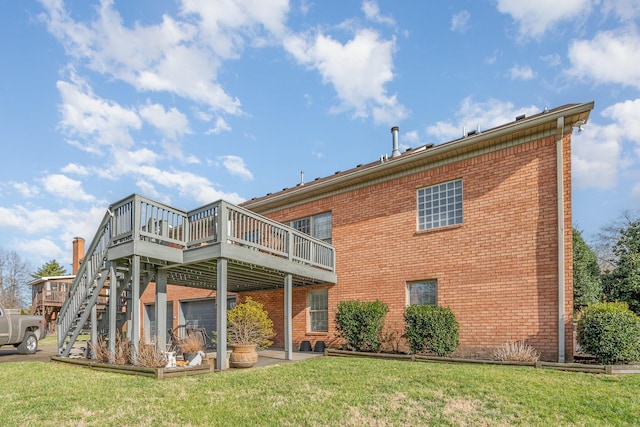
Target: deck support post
{"x":221,"y":313}
{"x":135,"y":308}
{"x":288,"y":330}
{"x":94,"y":330}
{"x":161,"y":309}
{"x":113,"y":310}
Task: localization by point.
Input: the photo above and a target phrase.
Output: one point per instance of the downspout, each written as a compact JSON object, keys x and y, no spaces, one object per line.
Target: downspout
{"x":561,"y":264}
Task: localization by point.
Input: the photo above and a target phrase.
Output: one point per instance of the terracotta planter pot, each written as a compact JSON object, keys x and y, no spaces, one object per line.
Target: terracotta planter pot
{"x":243,"y":355}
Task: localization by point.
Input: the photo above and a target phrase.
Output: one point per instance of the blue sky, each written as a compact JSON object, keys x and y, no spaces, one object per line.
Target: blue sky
{"x":191,"y":101}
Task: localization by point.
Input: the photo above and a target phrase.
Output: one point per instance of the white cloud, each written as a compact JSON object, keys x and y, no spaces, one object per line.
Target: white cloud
{"x":187,"y":184}
{"x":25,"y":189}
{"x":412,"y":137}
{"x":225,"y":24}
{"x":172,"y":123}
{"x":626,"y":115}
{"x":521,"y":72}
{"x":595,"y":155}
{"x":73,"y":168}
{"x":36,"y":248}
{"x":358,"y":70}
{"x":220,"y":126}
{"x":552,"y":60}
{"x":625,"y":10}
{"x":65,"y":224}
{"x":236,"y":166}
{"x":610,"y":57}
{"x":65,"y":188}
{"x":597,"y":152}
{"x":372,"y":12}
{"x":150,"y":58}
{"x":459,"y":21}
{"x":534,"y":18}
{"x":471,"y":114}
{"x":97,"y":121}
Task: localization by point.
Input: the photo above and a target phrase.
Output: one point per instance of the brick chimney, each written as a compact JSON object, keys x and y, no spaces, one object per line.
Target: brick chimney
{"x":78,"y":254}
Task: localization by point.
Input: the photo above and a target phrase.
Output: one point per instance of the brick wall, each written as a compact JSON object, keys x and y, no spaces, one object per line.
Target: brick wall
{"x":497,"y":271}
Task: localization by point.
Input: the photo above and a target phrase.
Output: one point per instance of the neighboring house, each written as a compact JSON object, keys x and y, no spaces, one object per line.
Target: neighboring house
{"x":481,"y":224}
{"x":48,"y":294}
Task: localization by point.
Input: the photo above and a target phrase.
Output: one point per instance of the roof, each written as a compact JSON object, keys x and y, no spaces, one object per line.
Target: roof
{"x":50,"y":278}
{"x":384,"y":168}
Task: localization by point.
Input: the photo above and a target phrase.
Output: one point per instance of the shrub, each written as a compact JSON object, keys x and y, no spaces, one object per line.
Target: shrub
{"x":191,"y":344}
{"x":610,"y":332}
{"x":360,"y":324}
{"x":249,"y":323}
{"x":431,"y":329}
{"x":516,"y":352}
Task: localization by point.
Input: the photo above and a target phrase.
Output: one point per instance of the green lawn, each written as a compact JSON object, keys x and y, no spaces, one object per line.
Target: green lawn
{"x":324,"y":391}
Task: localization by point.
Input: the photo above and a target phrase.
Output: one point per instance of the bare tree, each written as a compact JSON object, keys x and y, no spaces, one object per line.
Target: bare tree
{"x":14,"y":279}
{"x":607,"y":238}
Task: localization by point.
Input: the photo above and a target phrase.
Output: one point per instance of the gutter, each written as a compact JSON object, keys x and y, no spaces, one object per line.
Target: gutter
{"x":561,"y":263}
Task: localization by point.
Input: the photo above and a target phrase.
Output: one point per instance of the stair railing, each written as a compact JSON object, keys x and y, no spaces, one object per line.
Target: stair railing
{"x":84,"y":287}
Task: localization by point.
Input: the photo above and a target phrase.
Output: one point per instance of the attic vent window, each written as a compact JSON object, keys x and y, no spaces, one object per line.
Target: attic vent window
{"x":520,"y":117}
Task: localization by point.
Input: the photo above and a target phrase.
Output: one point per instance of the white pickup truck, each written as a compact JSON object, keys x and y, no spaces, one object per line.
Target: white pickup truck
{"x":21,"y":330}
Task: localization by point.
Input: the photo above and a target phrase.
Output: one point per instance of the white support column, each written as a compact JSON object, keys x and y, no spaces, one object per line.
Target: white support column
{"x":288,"y":331}
{"x":221,"y":316}
{"x":161,"y":309}
{"x":134,"y":335}
{"x":113,"y":311}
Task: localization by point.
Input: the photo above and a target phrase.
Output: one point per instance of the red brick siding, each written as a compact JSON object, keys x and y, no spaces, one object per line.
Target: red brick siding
{"x":497,"y":271}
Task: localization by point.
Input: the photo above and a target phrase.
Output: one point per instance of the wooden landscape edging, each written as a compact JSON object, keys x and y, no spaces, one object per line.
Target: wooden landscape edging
{"x":571,"y":367}
{"x":157,"y":373}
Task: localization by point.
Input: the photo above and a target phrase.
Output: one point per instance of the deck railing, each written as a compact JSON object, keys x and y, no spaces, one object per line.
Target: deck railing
{"x":49,"y":298}
{"x":224,"y":222}
{"x":139,"y":218}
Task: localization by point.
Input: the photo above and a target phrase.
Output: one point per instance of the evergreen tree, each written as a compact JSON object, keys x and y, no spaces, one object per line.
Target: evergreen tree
{"x":587,"y":283}
{"x":622,"y":283}
{"x":49,"y":269}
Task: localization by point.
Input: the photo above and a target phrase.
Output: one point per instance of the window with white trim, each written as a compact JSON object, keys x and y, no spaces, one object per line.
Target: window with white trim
{"x":440,"y":205}
{"x":423,"y":293}
{"x":318,"y":226}
{"x":318,"y":310}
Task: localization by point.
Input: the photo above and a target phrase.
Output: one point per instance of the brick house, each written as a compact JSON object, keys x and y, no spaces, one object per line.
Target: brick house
{"x":481,"y":224}
{"x":49,"y":293}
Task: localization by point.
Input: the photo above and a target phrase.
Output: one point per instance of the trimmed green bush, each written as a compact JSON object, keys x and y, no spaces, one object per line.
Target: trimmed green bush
{"x":360,"y":324}
{"x":610,"y":332}
{"x":431,"y":329}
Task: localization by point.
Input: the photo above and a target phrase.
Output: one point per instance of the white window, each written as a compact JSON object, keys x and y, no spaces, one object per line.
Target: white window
{"x":318,"y":226}
{"x":423,"y":293}
{"x":440,"y":205}
{"x":318,"y":310}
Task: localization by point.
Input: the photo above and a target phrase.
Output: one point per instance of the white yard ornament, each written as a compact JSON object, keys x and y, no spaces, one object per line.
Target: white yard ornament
{"x":198,"y":359}
{"x":171,"y":359}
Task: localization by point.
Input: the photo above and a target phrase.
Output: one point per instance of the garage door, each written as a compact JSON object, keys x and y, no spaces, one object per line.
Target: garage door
{"x":150,"y":327}
{"x":201,"y":313}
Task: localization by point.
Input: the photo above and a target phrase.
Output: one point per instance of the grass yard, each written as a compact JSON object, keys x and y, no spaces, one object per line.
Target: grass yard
{"x":324,"y":391}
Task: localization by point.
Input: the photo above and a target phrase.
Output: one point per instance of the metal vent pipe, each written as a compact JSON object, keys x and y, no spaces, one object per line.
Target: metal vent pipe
{"x":394,"y":132}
